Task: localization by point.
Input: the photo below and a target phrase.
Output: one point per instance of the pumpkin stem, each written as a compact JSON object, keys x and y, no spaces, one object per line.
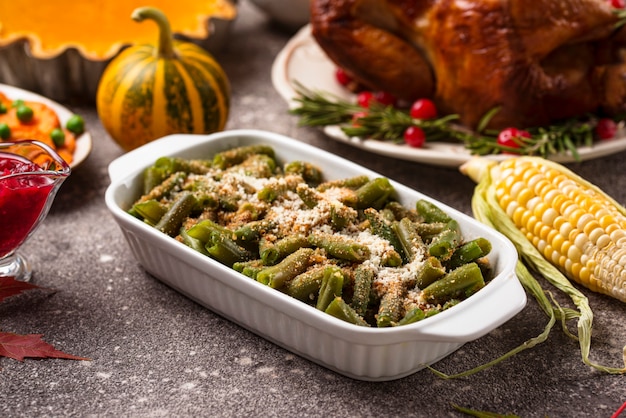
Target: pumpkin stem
{"x":166,"y":46}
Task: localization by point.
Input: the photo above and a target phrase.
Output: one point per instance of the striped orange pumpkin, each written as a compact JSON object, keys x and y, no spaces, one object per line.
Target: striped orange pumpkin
{"x":147,"y":92}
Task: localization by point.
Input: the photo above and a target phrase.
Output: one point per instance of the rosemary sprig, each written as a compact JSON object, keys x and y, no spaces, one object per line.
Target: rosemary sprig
{"x":323,"y":109}
{"x":559,"y":138}
{"x":387,"y":123}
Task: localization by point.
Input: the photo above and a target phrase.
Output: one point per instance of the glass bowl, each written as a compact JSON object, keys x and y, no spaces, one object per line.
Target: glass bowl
{"x":30,"y":175}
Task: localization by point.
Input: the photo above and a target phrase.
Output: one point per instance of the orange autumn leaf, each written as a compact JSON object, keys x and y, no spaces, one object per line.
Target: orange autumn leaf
{"x":11,"y":287}
{"x":19,"y":347}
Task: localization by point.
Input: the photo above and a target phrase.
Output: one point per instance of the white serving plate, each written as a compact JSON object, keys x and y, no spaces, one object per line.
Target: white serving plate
{"x":83,"y":141}
{"x":362,"y":353}
{"x":303,"y":61}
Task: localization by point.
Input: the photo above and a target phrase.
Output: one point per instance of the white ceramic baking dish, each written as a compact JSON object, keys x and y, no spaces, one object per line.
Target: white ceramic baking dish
{"x":362,"y":353}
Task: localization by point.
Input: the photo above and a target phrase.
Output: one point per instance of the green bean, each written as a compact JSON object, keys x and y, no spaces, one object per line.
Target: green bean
{"x":450,"y":303}
{"x":309,"y":196}
{"x":459,"y":283}
{"x":306,"y":286}
{"x":252,"y":231}
{"x":178,"y":211}
{"x":275,"y":189}
{"x":225,"y":250}
{"x":408,"y":238}
{"x":430,"y":212}
{"x":164,"y":187}
{"x":174,"y":164}
{"x":206,"y":230}
{"x":341,"y":216}
{"x":388,"y":215}
{"x":249,"y":268}
{"x":340,"y":247}
{"x":391,"y":258}
{"x":271,"y":254}
{"x":486,"y":268}
{"x":468,"y":252}
{"x":414,"y":315}
{"x":340,"y":309}
{"x":240,"y":265}
{"x":229,"y":203}
{"x":251,"y":271}
{"x":152,"y":177}
{"x":374,"y":193}
{"x":332,"y":286}
{"x":347,"y":197}
{"x":237,"y":155}
{"x":429,"y":231}
{"x":446,"y":241}
{"x":258,"y":165}
{"x":432,"y":311}
{"x":309,"y":172}
{"x":191,"y":242}
{"x":430,"y":271}
{"x":247,"y":211}
{"x":390,"y":308}
{"x":277,"y":275}
{"x":150,"y":211}
{"x":384,"y":230}
{"x":400,"y":211}
{"x":205,"y":201}
{"x":363,"y":278}
{"x":350,"y":183}
{"x":166,"y":166}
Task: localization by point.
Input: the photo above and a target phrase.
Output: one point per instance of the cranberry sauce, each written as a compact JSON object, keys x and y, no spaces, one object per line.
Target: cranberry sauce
{"x":22,"y":199}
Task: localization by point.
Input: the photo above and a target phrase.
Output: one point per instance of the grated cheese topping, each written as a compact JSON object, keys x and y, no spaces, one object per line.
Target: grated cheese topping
{"x":324,"y":216}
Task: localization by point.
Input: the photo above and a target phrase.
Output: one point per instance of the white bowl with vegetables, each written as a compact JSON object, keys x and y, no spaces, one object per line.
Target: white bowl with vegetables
{"x":378,"y":350}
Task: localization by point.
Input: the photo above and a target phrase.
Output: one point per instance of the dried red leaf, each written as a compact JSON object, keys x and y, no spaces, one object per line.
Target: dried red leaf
{"x":11,"y":287}
{"x":19,"y":347}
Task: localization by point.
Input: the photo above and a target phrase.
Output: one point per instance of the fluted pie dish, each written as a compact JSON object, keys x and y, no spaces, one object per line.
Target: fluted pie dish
{"x":60,"y":48}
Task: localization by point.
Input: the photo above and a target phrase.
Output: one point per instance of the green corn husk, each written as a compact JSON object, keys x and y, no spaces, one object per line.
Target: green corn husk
{"x":487,"y":210}
{"x":482,"y":414}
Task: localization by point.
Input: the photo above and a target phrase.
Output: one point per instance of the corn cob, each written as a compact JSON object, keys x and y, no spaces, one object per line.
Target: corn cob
{"x":574,"y":225}
{"x":563,"y":227}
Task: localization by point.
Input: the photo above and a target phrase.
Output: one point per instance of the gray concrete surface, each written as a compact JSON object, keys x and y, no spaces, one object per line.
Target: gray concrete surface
{"x":156,"y":353}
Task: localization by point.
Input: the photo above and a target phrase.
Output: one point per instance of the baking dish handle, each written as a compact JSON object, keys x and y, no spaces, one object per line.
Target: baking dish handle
{"x":141,"y":157}
{"x":477,"y":319}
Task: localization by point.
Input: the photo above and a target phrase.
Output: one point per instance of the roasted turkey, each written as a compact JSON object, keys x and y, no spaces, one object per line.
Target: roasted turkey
{"x":539,"y":61}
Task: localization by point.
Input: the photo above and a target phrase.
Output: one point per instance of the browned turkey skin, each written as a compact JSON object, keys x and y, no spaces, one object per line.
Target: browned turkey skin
{"x":538,"y":61}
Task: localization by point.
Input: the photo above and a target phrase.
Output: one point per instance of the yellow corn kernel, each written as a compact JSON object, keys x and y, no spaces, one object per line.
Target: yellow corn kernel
{"x":549,"y":252}
{"x":518,"y":215}
{"x":510,"y":206}
{"x":524,"y":196}
{"x":537,"y":229}
{"x":549,"y":216}
{"x":552,"y":234}
{"x":558,"y":222}
{"x":558,"y":241}
{"x":540,"y":208}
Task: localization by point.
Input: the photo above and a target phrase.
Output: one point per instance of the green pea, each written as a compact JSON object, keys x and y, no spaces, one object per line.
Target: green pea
{"x":3,"y":108}
{"x":5,"y":131}
{"x":24,"y":113}
{"x":17,"y":103}
{"x":75,"y":124}
{"x":58,"y":137}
